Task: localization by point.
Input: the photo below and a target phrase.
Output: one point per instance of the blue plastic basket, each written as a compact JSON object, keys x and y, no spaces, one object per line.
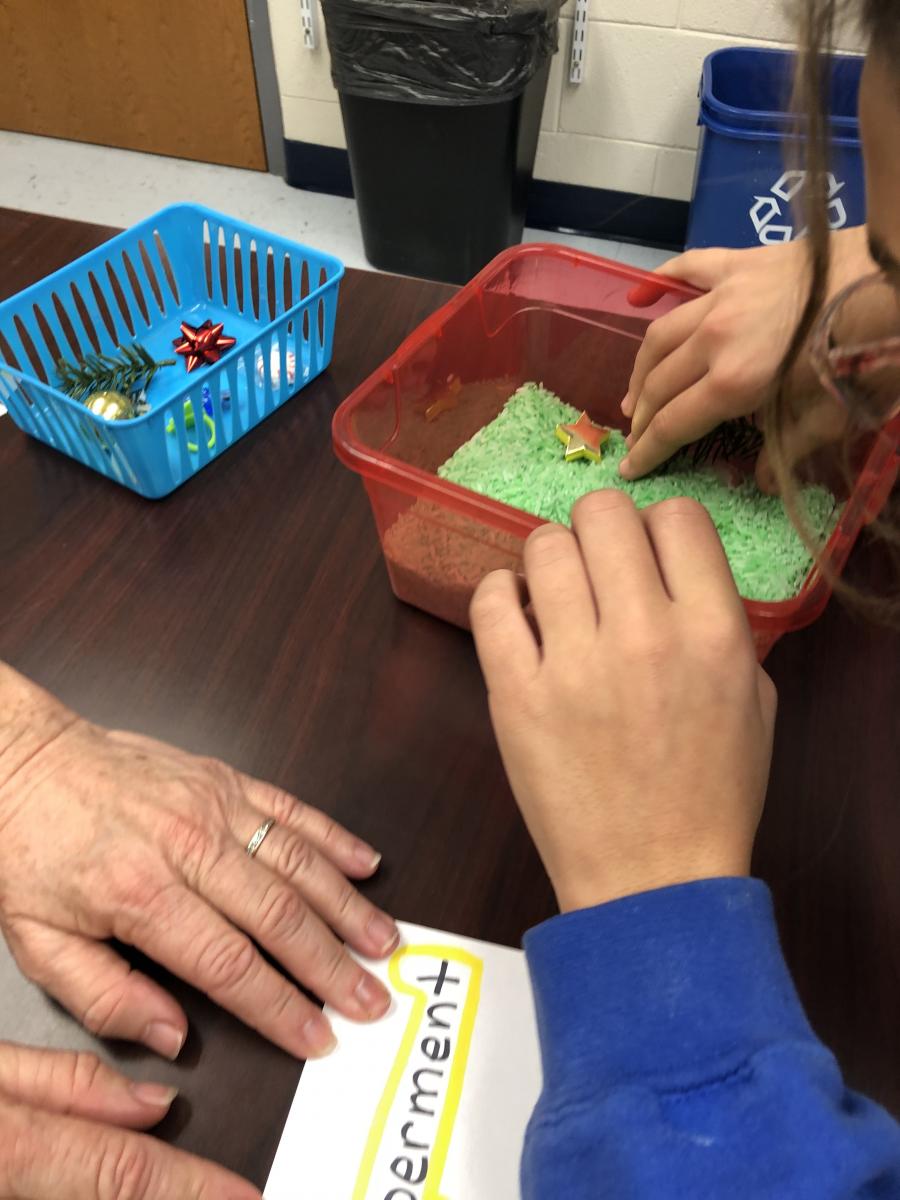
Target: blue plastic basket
{"x":745,"y":190}
{"x":186,"y":263}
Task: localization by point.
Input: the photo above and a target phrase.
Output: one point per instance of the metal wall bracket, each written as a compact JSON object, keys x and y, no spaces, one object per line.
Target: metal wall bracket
{"x":309,"y":24}
{"x":579,"y":42}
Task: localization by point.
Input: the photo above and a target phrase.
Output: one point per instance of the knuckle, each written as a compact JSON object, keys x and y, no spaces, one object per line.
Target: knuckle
{"x":664,"y":426}
{"x":294,"y":856}
{"x":653,"y":340}
{"x":193,"y":848}
{"x":489,"y":606}
{"x":652,"y":397}
{"x":345,"y":901}
{"x":281,"y":914}
{"x":282,"y":1004}
{"x":719,"y":326}
{"x":327,"y":962}
{"x":334,"y":963}
{"x":731,"y":376}
{"x":132,"y":886}
{"x":548,"y":545}
{"x":126,"y":1170}
{"x":100,"y":1014}
{"x":213,"y":780}
{"x":188,"y":840}
{"x":601,"y":502}
{"x":83,"y":1069}
{"x":679,"y":507}
{"x":283,"y":806}
{"x":330,"y":835}
{"x":146,"y":903}
{"x":227,"y":962}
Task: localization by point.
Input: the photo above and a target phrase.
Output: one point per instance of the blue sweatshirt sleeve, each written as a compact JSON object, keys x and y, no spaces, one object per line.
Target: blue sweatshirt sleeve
{"x":679,"y":1065}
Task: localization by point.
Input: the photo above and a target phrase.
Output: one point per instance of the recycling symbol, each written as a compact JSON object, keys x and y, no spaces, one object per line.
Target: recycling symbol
{"x":767,"y":213}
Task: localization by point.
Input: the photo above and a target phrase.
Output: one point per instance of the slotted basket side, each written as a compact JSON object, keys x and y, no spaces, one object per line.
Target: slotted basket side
{"x":181,"y":264}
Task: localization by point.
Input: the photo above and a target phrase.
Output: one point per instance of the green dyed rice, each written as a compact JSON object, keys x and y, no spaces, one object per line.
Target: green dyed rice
{"x":517,"y":459}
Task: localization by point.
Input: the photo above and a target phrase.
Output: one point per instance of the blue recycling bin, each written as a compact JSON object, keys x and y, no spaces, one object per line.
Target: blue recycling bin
{"x":745,"y":189}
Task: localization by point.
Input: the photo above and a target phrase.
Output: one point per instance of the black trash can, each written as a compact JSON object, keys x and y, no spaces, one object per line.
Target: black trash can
{"x":442,"y":103}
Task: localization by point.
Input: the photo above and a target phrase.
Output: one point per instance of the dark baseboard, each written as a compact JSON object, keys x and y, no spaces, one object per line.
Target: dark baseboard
{"x":620,"y":216}
{"x":317,"y":168}
{"x":597,"y":212}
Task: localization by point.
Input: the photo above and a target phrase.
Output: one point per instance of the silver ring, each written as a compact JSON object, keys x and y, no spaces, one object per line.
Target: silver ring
{"x":259,"y":837}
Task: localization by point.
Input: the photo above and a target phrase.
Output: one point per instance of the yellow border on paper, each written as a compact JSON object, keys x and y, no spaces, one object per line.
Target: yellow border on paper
{"x":438,"y":1157}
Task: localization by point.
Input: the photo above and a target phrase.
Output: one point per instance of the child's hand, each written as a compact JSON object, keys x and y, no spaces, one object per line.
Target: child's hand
{"x":716,"y":357}
{"x":637,"y":735}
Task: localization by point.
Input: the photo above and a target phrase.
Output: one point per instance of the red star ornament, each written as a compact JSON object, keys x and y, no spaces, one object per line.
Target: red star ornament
{"x":202,"y":344}
{"x":584,"y":439}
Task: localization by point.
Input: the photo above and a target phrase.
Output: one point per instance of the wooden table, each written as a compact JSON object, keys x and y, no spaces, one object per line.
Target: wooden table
{"x":249,"y":616}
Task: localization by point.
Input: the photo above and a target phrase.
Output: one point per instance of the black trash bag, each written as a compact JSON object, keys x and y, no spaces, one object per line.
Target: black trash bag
{"x":454,"y":52}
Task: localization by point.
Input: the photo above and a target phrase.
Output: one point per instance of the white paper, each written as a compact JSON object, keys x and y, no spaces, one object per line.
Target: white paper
{"x":431,"y":1102}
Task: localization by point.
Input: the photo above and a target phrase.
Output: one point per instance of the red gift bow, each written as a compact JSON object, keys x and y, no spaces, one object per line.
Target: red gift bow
{"x":202,"y":344}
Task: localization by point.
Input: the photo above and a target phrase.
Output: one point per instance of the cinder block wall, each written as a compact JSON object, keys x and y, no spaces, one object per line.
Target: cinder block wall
{"x":630,"y":126}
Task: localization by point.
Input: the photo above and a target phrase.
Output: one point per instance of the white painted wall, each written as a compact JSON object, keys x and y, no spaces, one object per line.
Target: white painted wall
{"x":630,"y":126}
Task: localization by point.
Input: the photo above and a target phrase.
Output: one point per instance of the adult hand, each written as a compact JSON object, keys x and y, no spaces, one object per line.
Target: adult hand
{"x":66,"y":1122}
{"x":716,"y":357}
{"x":636,"y":730}
{"x":111,"y":835}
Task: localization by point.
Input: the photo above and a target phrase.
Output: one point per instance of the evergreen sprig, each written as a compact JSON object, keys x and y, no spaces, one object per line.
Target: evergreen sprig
{"x":732,"y":441}
{"x":130,"y":371}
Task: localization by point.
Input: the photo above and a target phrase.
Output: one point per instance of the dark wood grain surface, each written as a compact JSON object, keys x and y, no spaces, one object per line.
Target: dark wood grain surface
{"x":249,"y":616}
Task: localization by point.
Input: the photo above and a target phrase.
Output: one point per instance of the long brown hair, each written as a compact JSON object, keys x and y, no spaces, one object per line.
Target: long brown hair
{"x":818,"y":20}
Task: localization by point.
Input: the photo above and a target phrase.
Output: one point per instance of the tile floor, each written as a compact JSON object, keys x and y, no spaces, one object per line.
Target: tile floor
{"x":120,"y":187}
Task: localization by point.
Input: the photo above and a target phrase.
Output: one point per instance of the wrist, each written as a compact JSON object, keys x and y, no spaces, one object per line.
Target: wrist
{"x":601,"y":886}
{"x":30,"y":719}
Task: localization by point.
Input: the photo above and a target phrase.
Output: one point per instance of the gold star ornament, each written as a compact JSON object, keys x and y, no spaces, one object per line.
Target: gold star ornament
{"x":584,"y":439}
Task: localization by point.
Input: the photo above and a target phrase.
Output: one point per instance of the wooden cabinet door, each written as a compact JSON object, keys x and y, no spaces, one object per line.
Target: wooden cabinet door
{"x":167,"y":76}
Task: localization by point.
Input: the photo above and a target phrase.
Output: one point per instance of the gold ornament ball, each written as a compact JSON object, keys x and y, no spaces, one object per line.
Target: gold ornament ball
{"x":112,"y":406}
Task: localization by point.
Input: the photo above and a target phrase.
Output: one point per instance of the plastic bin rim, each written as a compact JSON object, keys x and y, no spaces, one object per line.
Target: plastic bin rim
{"x":881,"y":465}
{"x":350,"y":452}
{"x":783,"y":134}
{"x":126,"y":235}
{"x":730,"y":113}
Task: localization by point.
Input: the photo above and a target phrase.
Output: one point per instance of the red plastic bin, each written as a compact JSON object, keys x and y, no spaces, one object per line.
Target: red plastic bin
{"x":540,"y":313}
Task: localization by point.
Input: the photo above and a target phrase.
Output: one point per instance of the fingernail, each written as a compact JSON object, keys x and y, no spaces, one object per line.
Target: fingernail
{"x":372,"y":997}
{"x":627,"y":405}
{"x":318,"y":1036}
{"x":165,"y":1039}
{"x":367,"y":858}
{"x":625,"y":468}
{"x":629,"y":441}
{"x":383,"y":933}
{"x":157,"y":1095}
